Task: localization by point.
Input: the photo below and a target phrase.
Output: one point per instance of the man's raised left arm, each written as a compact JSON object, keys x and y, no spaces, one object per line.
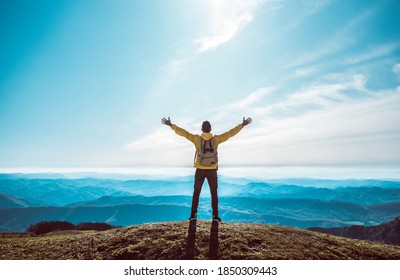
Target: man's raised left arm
{"x":225,"y":136}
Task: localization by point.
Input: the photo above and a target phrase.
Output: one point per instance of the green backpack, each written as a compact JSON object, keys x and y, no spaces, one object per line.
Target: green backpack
{"x":207,"y":154}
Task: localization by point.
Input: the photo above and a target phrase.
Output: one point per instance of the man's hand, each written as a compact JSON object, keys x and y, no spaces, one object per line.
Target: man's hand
{"x":246,"y":121}
{"x":166,"y":121}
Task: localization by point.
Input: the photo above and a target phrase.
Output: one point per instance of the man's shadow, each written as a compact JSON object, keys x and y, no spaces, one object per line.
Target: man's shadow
{"x":190,"y":242}
{"x":213,"y":249}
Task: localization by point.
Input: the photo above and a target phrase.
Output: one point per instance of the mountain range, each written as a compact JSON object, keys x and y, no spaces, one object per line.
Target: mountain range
{"x":385,"y":233}
{"x":60,"y":192}
{"x":301,"y":203}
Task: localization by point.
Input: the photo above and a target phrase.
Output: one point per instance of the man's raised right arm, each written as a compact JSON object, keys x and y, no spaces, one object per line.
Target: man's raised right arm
{"x":179,"y":131}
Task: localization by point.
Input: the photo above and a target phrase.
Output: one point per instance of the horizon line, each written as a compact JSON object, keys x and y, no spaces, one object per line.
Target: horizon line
{"x":254,"y":172}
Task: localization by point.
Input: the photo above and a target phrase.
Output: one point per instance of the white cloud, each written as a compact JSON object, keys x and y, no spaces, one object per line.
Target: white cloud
{"x":247,"y":104}
{"x":327,"y":94}
{"x":377,"y":52}
{"x":305,"y":71}
{"x":227,"y":31}
{"x":337,"y":122}
{"x":396,"y":70}
{"x":162,"y":147}
{"x":342,"y":129}
{"x":171,"y":74}
{"x":337,"y":42}
{"x":230,"y":114}
{"x":227,"y":19}
{"x":274,"y":103}
{"x":308,"y":9}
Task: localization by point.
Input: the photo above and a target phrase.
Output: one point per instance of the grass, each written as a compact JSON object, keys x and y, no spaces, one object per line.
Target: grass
{"x":203,"y":240}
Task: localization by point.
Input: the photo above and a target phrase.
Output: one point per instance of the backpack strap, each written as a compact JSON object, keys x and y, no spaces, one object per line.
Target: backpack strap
{"x":201,"y":150}
{"x":204,"y":145}
{"x":212,"y":143}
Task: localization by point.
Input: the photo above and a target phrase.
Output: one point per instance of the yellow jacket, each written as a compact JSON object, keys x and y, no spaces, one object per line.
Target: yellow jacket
{"x":196,"y":140}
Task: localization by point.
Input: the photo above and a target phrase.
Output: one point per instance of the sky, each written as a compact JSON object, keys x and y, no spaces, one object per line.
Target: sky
{"x":85,"y":83}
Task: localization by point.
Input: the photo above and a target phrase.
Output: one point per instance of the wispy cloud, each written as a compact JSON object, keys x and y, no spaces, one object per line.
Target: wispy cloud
{"x":160,"y":147}
{"x":170,"y":75}
{"x":304,"y":71}
{"x":396,"y":70}
{"x":327,"y":94}
{"x":227,"y":19}
{"x":354,"y":61}
{"x":376,"y":52}
{"x":335,"y":119}
{"x":351,"y":132}
{"x":322,"y":123}
{"x":309,"y":8}
{"x":274,"y":103}
{"x":253,"y":104}
{"x":342,"y":39}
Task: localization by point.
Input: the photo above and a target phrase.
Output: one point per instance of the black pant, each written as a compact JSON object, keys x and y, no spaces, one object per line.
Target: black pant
{"x":212,"y":179}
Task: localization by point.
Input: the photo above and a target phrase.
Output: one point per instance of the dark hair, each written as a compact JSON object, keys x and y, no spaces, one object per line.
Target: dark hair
{"x":206,"y":126}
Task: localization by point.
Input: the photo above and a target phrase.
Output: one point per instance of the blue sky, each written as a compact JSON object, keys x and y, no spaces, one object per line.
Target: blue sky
{"x":85,"y":83}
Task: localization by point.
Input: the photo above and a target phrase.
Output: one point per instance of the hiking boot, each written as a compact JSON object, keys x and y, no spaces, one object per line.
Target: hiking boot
{"x":216,"y":219}
{"x":193,"y":217}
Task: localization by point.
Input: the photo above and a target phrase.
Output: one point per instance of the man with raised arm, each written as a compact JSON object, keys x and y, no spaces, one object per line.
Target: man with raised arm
{"x":206,"y":160}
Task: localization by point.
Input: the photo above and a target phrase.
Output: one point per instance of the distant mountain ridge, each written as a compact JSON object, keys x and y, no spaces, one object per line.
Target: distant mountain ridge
{"x":25,"y":200}
{"x":123,"y":211}
{"x":59,"y":192}
{"x":9,"y":201}
{"x":18,"y":219}
{"x":386,"y":233}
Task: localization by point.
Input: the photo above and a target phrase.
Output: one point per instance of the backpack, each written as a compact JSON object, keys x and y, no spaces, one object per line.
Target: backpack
{"x":207,"y":154}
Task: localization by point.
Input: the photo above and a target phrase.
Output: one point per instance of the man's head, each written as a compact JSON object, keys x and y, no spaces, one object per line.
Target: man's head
{"x":206,"y":127}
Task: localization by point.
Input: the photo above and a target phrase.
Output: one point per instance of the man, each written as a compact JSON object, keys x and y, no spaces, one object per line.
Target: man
{"x":206,"y":160}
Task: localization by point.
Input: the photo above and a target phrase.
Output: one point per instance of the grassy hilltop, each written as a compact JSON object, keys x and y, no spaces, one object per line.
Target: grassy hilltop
{"x":184,"y":240}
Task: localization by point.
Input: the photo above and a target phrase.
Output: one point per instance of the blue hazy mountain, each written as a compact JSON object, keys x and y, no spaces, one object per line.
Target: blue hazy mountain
{"x":9,"y":201}
{"x":385,"y":233}
{"x":18,"y":219}
{"x":264,"y":209}
{"x":294,"y":202}
{"x":59,"y":192}
{"x":124,"y":211}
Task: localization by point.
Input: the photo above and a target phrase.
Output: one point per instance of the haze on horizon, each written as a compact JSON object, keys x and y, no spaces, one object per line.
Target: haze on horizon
{"x":85,"y":83}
